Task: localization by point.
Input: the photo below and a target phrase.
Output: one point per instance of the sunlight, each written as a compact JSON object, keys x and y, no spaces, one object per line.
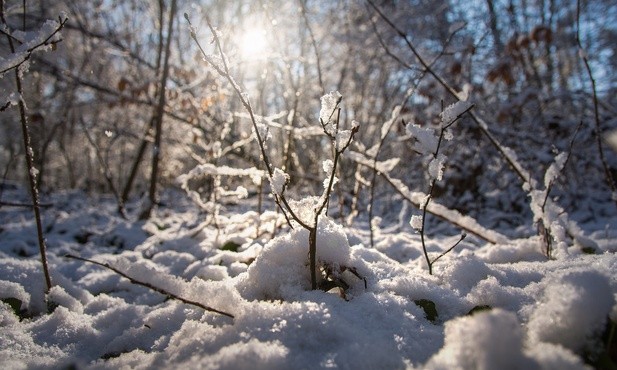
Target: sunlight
{"x":253,"y":43}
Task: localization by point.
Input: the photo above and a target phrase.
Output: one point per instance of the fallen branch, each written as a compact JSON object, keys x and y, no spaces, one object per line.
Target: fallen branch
{"x":150,"y":286}
{"x":416,"y":198}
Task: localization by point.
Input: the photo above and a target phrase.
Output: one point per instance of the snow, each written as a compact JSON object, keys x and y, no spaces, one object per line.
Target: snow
{"x":416,"y":222}
{"x":539,"y":313}
{"x":452,"y":111}
{"x":426,"y":141}
{"x":264,"y":131}
{"x":327,"y":114}
{"x":287,"y":257}
{"x":584,"y":294}
{"x":342,"y":138}
{"x":436,"y":167}
{"x":278,"y":181}
{"x":555,"y":169}
{"x":30,"y":42}
{"x":382,"y":166}
{"x":467,"y":337}
{"x":328,"y":167}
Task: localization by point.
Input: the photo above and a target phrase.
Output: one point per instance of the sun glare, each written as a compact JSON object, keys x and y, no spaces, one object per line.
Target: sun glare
{"x":253,"y":43}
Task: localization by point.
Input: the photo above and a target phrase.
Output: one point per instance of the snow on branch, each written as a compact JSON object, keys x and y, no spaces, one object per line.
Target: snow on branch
{"x":467,"y":223}
{"x":30,"y":42}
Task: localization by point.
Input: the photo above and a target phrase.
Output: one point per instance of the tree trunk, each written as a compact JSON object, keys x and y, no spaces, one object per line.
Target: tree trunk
{"x":156,"y":155}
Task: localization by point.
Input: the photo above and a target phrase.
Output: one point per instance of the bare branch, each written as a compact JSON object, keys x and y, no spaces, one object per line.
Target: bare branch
{"x":150,"y":286}
{"x":598,"y":131}
{"x":481,"y":124}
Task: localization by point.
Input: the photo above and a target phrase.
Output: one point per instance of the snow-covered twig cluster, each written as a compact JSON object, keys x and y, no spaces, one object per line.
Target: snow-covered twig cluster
{"x":42,"y":39}
{"x":427,"y":143}
{"x":306,"y":215}
{"x":550,"y":218}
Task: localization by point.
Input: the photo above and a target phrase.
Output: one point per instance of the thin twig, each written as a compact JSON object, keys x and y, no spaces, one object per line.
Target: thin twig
{"x":430,"y":192}
{"x":598,"y":130}
{"x":565,"y":163}
{"x":105,"y":170}
{"x":463,"y":236}
{"x":314,"y":44}
{"x":544,"y":229}
{"x":404,"y":192}
{"x":150,"y":286}
{"x":32,"y":172}
{"x":280,"y":200}
{"x":326,"y":195}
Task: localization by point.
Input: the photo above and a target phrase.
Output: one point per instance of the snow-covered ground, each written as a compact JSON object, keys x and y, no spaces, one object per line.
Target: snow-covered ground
{"x":486,"y":306}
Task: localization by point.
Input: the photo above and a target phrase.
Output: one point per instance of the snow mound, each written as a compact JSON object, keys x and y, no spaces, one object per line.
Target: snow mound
{"x":488,"y":340}
{"x":574,"y":308}
{"x":494,"y":340}
{"x":281,"y":270}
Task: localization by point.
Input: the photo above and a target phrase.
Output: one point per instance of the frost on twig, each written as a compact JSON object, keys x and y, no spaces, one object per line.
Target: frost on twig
{"x":467,"y":223}
{"x":425,"y":139}
{"x":452,"y":112}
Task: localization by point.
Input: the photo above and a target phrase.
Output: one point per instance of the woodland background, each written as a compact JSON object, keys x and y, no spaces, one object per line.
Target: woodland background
{"x":126,"y":78}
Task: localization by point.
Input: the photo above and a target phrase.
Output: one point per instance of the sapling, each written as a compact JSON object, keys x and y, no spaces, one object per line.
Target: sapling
{"x":329,"y":118}
{"x":18,"y":61}
{"x":547,"y":215}
{"x":429,"y":144}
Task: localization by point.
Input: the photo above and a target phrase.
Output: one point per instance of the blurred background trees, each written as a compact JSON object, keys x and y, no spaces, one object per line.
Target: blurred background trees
{"x":94,"y":101}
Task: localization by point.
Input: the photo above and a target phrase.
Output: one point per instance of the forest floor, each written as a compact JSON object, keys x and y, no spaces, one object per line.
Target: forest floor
{"x":486,"y":306}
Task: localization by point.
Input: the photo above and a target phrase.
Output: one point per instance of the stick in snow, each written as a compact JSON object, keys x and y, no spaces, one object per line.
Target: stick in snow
{"x":150,"y":286}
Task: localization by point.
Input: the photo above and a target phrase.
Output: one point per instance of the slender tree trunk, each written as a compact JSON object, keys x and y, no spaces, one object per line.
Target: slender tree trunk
{"x":136,"y":162}
{"x":145,"y":140}
{"x":494,"y":30}
{"x":156,"y":155}
{"x":32,"y":172}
